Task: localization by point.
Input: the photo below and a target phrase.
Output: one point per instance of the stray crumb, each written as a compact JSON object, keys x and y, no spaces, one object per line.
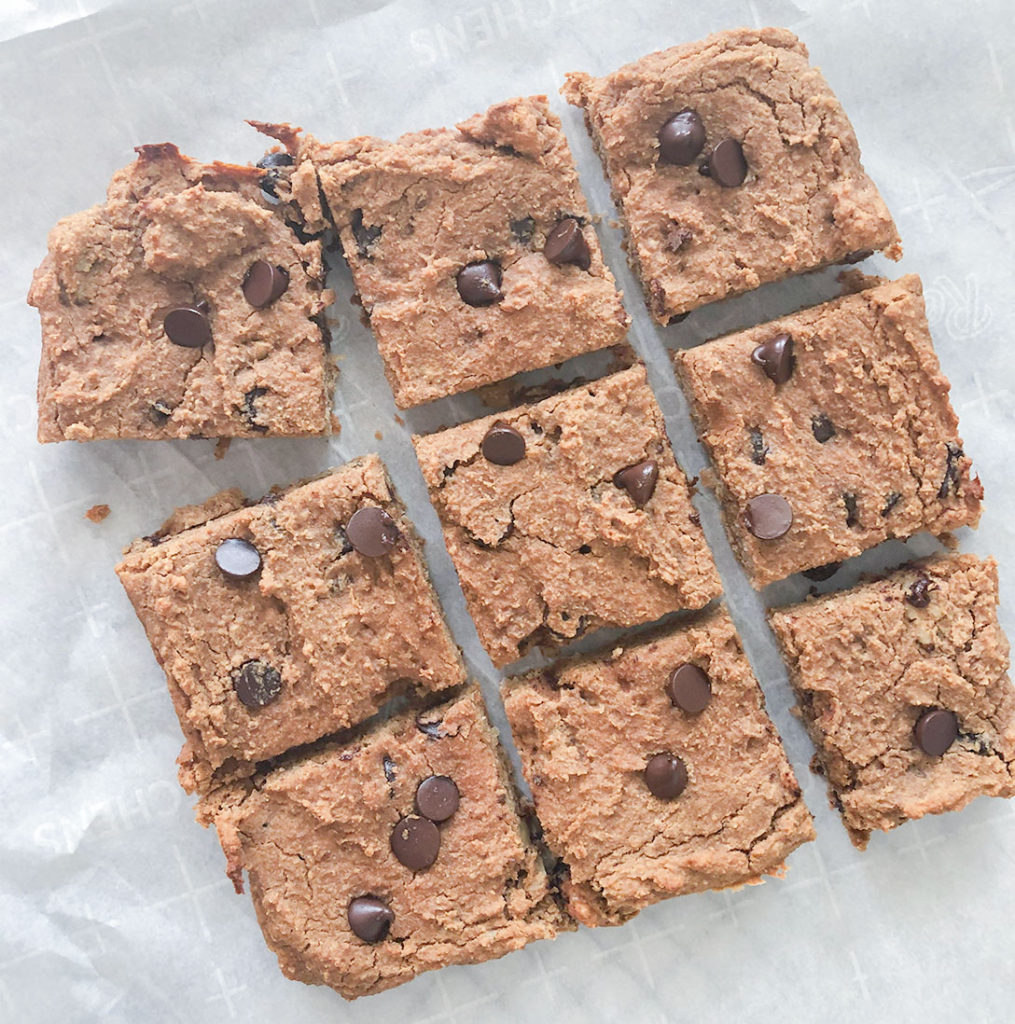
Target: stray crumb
{"x":336,"y":427}
{"x":97,"y":513}
{"x":222,"y":446}
{"x":378,"y":435}
{"x":949,"y":541}
{"x":399,"y":420}
{"x":853,"y":281}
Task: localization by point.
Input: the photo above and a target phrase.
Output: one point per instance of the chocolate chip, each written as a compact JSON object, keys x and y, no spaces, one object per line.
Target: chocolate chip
{"x":822,"y":428}
{"x":688,"y":688}
{"x":759,"y":450}
{"x":159,"y":412}
{"x":479,"y":283}
{"x":437,"y":798}
{"x":638,"y":480}
{"x":415,"y":842}
{"x":371,"y":531}
{"x":852,"y":509}
{"x":370,"y":918}
{"x":264,"y":282}
{"x":775,"y":357}
{"x":249,"y":409}
{"x":822,"y":572}
{"x":858,"y":255}
{"x":432,"y":730}
{"x":666,"y":776}
{"x":389,"y":769}
{"x":918,"y":592}
{"x":936,"y":730}
{"x":681,"y":138}
{"x":257,"y":683}
{"x":271,"y":162}
{"x":364,"y":234}
{"x":676,"y":238}
{"x":951,"y":477}
{"x":502,"y":445}
{"x":566,"y":244}
{"x":238,"y":559}
{"x":727,"y":164}
{"x":890,"y":502}
{"x":523,"y":230}
{"x":188,"y":326}
{"x":768,"y":516}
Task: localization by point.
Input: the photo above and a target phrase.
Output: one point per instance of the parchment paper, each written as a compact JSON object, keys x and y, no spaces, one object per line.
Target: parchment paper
{"x":114,"y":903}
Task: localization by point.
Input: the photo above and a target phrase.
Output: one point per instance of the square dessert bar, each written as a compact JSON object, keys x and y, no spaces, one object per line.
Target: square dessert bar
{"x":471,"y":249}
{"x":656,"y":771}
{"x":903,"y":685}
{"x":732,"y":164}
{"x":282,"y":621}
{"x":393,"y":854}
{"x":830,"y":430}
{"x":183,"y":307}
{"x":568,"y":515}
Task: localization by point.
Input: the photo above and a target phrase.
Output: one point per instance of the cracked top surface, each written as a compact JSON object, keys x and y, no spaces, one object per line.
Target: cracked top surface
{"x":866,"y":664}
{"x":174,"y":232}
{"x":806,"y":201}
{"x":414,"y":212}
{"x":315,"y":834}
{"x":585,"y":730}
{"x":550,"y":547}
{"x":344,"y":631}
{"x":892,"y":464}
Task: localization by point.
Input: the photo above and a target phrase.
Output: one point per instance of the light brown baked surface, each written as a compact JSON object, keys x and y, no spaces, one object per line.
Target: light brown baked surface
{"x":585,"y":730}
{"x":550,"y":548}
{"x":866,"y":362}
{"x":445,"y":198}
{"x":315,"y":834}
{"x":171,"y":233}
{"x":806,"y":201}
{"x":866,"y":664}
{"x":346,"y":632}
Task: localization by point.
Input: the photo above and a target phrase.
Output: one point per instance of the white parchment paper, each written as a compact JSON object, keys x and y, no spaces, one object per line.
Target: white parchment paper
{"x":113,"y":903}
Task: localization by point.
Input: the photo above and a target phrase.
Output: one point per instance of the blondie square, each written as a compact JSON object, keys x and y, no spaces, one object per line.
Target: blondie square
{"x":656,"y":771}
{"x":393,"y":854}
{"x":903,"y":685}
{"x":568,"y":515}
{"x":471,"y":249}
{"x":732,"y":164}
{"x":830,"y":430}
{"x":183,"y":307}
{"x":282,"y":621}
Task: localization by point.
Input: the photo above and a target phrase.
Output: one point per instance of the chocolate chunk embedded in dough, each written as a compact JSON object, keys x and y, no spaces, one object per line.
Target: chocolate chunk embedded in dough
{"x":768,"y":516}
{"x":257,"y":684}
{"x":371,"y":531}
{"x":479,"y":283}
{"x":370,"y":918}
{"x":822,"y":428}
{"x":566,"y":244}
{"x":416,"y":842}
{"x":503,"y":445}
{"x":188,"y":326}
{"x":936,"y":730}
{"x":238,"y":559}
{"x":681,"y":138}
{"x":437,"y":798}
{"x":775,"y":357}
{"x":689,"y":688}
{"x":666,"y":776}
{"x":264,"y":282}
{"x":918,"y":592}
{"x":727,"y":164}
{"x":639,"y":481}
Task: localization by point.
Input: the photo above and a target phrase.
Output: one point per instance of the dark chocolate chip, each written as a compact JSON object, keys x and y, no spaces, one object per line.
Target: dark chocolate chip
{"x":371,"y":531}
{"x":666,"y":776}
{"x":270,"y":162}
{"x":566,"y":244}
{"x":431,"y":729}
{"x":159,"y":412}
{"x":370,"y":918}
{"x":389,"y":769}
{"x":759,"y":450}
{"x":822,"y":572}
{"x":852,"y":509}
{"x":688,"y":688}
{"x":638,"y":480}
{"x":188,"y":326}
{"x":681,"y":138}
{"x":727,"y":164}
{"x":918,"y":592}
{"x":257,"y":683}
{"x":890,"y":502}
{"x":416,"y":842}
{"x":822,"y":428}
{"x":479,"y":283}
{"x":238,"y":559}
{"x":858,"y":255}
{"x":264,"y":282}
{"x":523,"y":230}
{"x":364,"y":234}
{"x":249,"y":409}
{"x":768,"y":516}
{"x":936,"y":730}
{"x":437,"y":798}
{"x":502,"y":445}
{"x":676,"y":238}
{"x":775,"y":357}
{"x":951,"y":477}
